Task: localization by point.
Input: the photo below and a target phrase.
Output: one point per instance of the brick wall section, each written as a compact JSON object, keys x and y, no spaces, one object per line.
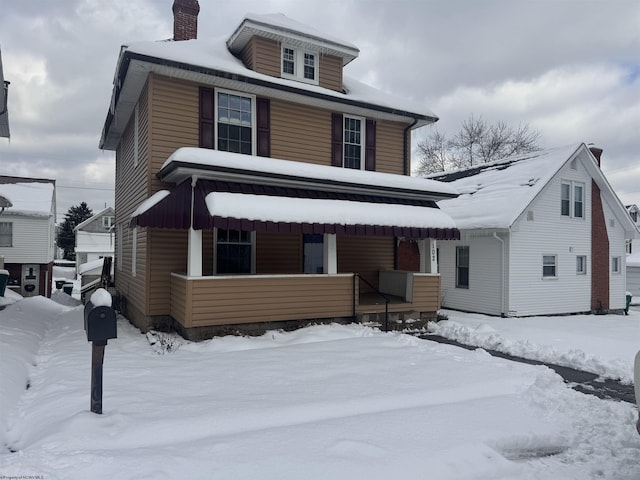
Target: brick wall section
{"x":599,"y":253}
{"x":185,"y":19}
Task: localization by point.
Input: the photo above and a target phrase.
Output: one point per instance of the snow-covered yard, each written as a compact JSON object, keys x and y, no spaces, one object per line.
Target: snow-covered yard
{"x":324,"y":402}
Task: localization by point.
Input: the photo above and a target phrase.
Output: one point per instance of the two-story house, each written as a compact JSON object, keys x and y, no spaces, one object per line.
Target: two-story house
{"x":94,"y":237}
{"x":27,"y":233}
{"x":541,"y":233}
{"x":257,"y":185}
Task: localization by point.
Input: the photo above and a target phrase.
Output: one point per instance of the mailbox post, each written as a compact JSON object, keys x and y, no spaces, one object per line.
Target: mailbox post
{"x":100,"y":325}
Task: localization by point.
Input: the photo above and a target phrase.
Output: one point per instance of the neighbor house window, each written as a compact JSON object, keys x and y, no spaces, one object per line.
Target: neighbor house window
{"x":108,"y":221}
{"x":615,"y":265}
{"x":572,"y":199}
{"x":462,"y":267}
{"x":634,"y":216}
{"x":299,"y":64}
{"x":549,"y":266}
{"x":581,"y":265}
{"x":353,"y":141}
{"x":6,"y":234}
{"x":235,"y":120}
{"x":234,"y":251}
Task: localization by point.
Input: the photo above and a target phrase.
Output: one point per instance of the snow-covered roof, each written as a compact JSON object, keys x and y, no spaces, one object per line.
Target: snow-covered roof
{"x":306,"y":210}
{"x":494,"y":194}
{"x":281,"y":28}
{"x":208,"y":61}
{"x":29,"y":198}
{"x":189,"y":158}
{"x":95,"y":265}
{"x":106,"y":211}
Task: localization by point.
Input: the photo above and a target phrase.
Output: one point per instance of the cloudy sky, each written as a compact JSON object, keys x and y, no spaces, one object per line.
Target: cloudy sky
{"x":568,"y":68}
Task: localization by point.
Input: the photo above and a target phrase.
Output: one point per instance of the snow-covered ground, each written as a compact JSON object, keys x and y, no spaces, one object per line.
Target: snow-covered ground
{"x":324,"y":402}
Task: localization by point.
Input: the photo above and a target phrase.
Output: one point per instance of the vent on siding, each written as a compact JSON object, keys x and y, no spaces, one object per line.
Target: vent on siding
{"x":530,"y":215}
{"x":612,"y":223}
{"x":574,"y":164}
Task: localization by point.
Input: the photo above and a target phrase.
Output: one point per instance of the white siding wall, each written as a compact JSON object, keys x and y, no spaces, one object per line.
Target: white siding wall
{"x":549,"y":233}
{"x":633,"y":281}
{"x":617,"y":281}
{"x":32,"y":240}
{"x":484,"y":292}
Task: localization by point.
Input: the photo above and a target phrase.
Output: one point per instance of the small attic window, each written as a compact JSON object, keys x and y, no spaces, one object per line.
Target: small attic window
{"x":299,"y":64}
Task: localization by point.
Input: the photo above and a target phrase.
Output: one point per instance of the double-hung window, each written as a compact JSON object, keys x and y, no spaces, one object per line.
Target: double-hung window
{"x":462,"y":267}
{"x":234,"y":252}
{"x":549,"y":266}
{"x":299,"y":64}
{"x":581,"y":265}
{"x":108,"y":221}
{"x":572,"y":199}
{"x":353,"y":143}
{"x":235,"y":123}
{"x":6,"y":234}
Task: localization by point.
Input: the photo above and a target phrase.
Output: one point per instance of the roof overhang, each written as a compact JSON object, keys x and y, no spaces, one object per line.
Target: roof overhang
{"x":254,"y":27}
{"x":134,"y":68}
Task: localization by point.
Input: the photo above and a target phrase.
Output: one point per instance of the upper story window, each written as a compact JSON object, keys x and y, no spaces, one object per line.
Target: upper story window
{"x":616,"y":265}
{"x":353,"y":139}
{"x":299,"y":64}
{"x":572,"y":199}
{"x":581,"y":265}
{"x":6,"y":234}
{"x":235,"y":120}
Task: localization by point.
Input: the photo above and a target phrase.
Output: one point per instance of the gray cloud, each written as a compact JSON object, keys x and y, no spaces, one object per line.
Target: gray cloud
{"x":567,"y":68}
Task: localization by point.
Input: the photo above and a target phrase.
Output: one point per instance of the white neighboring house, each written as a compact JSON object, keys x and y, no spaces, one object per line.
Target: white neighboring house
{"x":541,"y":234}
{"x":94,"y":237}
{"x":27,"y":233}
{"x":633,"y":256}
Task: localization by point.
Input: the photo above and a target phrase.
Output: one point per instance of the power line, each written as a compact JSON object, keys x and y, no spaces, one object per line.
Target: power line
{"x":86,"y":188}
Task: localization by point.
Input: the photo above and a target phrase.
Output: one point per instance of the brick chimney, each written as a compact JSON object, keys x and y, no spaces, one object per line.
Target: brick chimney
{"x":185,"y":19}
{"x":597,"y":152}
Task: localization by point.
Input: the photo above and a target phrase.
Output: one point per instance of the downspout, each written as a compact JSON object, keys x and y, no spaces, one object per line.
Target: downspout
{"x":405,"y":156}
{"x":502,"y":272}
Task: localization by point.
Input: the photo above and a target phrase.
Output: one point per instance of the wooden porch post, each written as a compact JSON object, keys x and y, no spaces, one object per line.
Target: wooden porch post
{"x":194,"y":244}
{"x":428,"y":255}
{"x":330,"y":257}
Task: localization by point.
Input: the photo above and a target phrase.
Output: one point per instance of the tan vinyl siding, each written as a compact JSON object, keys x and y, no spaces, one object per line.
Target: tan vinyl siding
{"x":263,"y":55}
{"x":330,"y":72}
{"x":300,"y":133}
{"x":168,"y":248}
{"x":174,"y":121}
{"x":389,"y":147}
{"x":366,"y":256}
{"x":426,"y":292}
{"x":278,"y":254}
{"x":215,"y":300}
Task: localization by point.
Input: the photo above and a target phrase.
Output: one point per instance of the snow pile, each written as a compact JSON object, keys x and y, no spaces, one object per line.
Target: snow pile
{"x":601,"y":344}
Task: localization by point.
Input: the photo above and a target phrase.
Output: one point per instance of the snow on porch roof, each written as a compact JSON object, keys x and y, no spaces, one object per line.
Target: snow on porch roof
{"x":291,"y":210}
{"x":326,"y":215}
{"x":211,"y":163}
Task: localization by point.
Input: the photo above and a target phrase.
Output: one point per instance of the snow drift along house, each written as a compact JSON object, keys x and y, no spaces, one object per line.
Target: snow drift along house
{"x":27,"y":233}
{"x":541,"y":233}
{"x":213,"y":236}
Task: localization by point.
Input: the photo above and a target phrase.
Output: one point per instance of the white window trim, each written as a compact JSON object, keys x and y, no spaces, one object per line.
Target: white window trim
{"x":215,"y":254}
{"x":134,"y":251}
{"x":298,"y":64}
{"x":616,"y":261}
{"x":108,"y":221}
{"x":468,"y":267}
{"x":11,"y":239}
{"x":550,"y":277}
{"x":572,"y":198}
{"x":584,"y":265}
{"x":254,"y":130}
{"x":363,"y":139}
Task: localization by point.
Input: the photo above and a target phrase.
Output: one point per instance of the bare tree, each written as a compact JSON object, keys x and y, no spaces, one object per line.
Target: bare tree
{"x":475,"y":143}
